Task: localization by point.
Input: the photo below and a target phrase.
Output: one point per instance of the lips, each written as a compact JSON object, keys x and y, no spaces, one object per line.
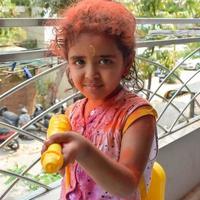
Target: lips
{"x":92,"y":84}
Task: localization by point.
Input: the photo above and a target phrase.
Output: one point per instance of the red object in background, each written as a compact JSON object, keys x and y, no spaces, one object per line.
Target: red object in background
{"x":5,"y":133}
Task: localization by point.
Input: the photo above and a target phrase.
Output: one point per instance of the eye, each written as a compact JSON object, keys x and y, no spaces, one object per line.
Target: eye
{"x":105,"y":61}
{"x":79,"y":62}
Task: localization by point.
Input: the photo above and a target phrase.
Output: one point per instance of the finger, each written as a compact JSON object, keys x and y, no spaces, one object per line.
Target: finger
{"x":59,"y":138}
{"x":44,"y":148}
{"x":69,"y":153}
{"x":46,"y":144}
{"x":62,"y":171}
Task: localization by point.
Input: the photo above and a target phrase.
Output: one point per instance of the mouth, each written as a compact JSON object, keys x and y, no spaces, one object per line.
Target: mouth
{"x":92,"y":85}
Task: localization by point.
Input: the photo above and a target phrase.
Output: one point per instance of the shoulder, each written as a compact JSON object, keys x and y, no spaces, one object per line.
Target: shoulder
{"x":130,"y":100}
{"x":138,"y":113}
{"x":137,"y":107}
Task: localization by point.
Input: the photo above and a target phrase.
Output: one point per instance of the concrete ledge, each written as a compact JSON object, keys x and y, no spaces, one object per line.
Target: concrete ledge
{"x":194,"y":194}
{"x":179,"y":156}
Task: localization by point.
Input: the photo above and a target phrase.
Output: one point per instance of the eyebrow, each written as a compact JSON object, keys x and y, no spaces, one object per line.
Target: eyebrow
{"x":83,"y":57}
{"x":108,"y":56}
{"x":76,"y":57}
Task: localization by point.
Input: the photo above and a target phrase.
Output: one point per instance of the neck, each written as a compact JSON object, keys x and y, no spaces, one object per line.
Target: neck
{"x":91,"y":103}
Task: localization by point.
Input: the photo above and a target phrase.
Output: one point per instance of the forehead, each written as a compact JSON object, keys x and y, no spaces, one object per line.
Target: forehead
{"x":94,"y":43}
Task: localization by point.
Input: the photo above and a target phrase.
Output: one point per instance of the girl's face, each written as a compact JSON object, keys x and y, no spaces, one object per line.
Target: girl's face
{"x":96,"y":65}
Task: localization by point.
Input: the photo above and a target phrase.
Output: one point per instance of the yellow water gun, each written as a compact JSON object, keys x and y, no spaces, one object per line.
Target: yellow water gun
{"x":52,"y":159}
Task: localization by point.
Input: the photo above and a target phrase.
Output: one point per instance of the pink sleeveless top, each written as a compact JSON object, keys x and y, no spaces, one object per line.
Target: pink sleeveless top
{"x":104,"y":127}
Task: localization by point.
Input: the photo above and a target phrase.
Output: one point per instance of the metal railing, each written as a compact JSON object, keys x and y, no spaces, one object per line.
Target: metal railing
{"x":35,"y":54}
{"x":27,"y":22}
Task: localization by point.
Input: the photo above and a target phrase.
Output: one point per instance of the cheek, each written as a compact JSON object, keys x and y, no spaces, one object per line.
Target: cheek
{"x":119,"y":74}
{"x":76,"y":77}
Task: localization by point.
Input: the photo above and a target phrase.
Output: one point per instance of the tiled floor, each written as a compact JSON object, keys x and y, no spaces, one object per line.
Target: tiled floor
{"x":194,"y":194}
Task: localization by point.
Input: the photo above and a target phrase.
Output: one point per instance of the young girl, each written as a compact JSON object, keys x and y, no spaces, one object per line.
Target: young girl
{"x":112,"y":146}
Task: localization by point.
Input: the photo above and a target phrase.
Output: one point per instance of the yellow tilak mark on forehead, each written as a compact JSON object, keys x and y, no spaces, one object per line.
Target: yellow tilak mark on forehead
{"x":92,"y":50}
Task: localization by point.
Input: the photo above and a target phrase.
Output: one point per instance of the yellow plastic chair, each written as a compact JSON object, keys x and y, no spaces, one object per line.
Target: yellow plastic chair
{"x":158,"y":182}
{"x":157,"y":187}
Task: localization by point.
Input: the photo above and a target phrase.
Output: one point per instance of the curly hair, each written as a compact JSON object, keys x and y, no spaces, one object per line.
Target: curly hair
{"x":99,"y":16}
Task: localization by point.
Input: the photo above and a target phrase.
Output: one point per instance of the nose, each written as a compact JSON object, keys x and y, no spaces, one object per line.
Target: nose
{"x":91,"y":71}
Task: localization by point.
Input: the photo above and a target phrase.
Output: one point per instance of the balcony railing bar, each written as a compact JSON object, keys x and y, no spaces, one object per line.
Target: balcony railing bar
{"x":21,"y":176}
{"x":181,"y":126}
{"x":23,"y":55}
{"x":19,"y":130}
{"x":28,"y":81}
{"x":166,"y":131}
{"x":161,"y":127}
{"x":25,"y":178}
{"x":40,"y":191}
{"x":172,"y":72}
{"x":166,"y":100}
{"x":168,"y":20}
{"x":28,"y":22}
{"x":34,"y":120}
{"x":153,"y":43}
{"x":40,"y":116}
{"x":173,"y":97}
{"x":35,"y":54}
{"x":192,"y":99}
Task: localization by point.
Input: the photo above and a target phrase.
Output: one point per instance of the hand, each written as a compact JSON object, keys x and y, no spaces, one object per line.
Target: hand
{"x":74,"y":145}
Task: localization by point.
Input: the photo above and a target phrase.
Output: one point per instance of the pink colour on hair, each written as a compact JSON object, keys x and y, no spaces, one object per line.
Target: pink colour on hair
{"x":101,"y":16}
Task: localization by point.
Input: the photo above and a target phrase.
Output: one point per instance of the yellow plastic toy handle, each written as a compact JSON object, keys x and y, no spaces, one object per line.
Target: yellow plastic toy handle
{"x":58,"y":124}
{"x":52,"y":159}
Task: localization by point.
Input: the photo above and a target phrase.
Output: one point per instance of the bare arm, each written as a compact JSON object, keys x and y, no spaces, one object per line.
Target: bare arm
{"x":119,"y":178}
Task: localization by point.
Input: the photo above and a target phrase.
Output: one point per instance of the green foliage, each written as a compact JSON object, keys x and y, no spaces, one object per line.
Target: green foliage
{"x":149,"y":8}
{"x":6,"y":8}
{"x":146,"y":69}
{"x":56,"y":6}
{"x":42,"y":177}
{"x":163,"y":8}
{"x":8,"y":36}
{"x":165,"y":57}
{"x":29,"y":44}
{"x":17,"y":170}
{"x":45,"y":91}
{"x":21,"y":2}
